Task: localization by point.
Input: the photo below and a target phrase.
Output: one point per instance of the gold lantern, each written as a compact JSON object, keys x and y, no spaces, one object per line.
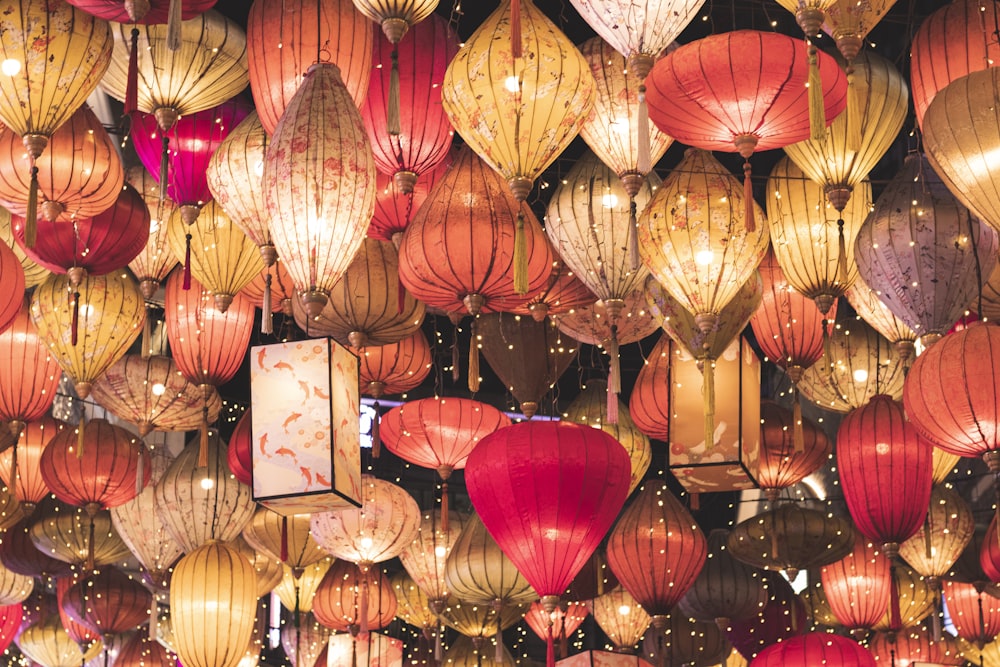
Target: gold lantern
{"x":297,"y":588}
{"x":156,"y":261}
{"x":479,"y":621}
{"x":65,"y":533}
{"x":270,"y":571}
{"x":622,"y":618}
{"x":938,"y":543}
{"x":693,"y":238}
{"x":223,"y":258}
{"x":319,"y":184}
{"x":916,"y":600}
{"x":47,"y":643}
{"x":857,"y":364}
{"x":944,"y":463}
{"x":213,"y":604}
{"x":467,"y":652}
{"x":478,"y":571}
{"x":870,"y":308}
{"x":88,"y":326}
{"x":34,"y":274}
{"x":413,"y":607}
{"x":424,"y":558}
{"x":815,"y":251}
{"x":285,"y":539}
{"x":14,"y":587}
{"x":377,"y":649}
{"x":396,"y":16}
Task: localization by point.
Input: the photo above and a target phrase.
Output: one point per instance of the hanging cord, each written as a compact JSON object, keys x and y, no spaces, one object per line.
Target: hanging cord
{"x":979,"y":267}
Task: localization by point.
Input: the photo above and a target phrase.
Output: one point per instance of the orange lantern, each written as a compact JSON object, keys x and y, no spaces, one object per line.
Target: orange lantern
{"x":564,"y":622}
{"x":20,"y":465}
{"x":339,"y":603}
{"x":152,"y":266}
{"x":975,"y":614}
{"x":563,"y":293}
{"x":649,"y":403}
{"x":29,"y":374}
{"x":857,"y":587}
{"x":273,"y":285}
{"x":394,"y":368}
{"x":784,"y":462}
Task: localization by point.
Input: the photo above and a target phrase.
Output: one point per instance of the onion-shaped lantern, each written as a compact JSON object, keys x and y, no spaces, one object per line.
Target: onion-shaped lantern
{"x":783,"y":617}
{"x":725,"y":588}
{"x":27,"y":483}
{"x":857,"y":586}
{"x":282,"y":41}
{"x":592,"y":324}
{"x":621,"y":618}
{"x":14,"y":588}
{"x":815,"y":648}
{"x":141,"y":651}
{"x":47,"y":643}
{"x":564,"y":620}
{"x":29,"y":374}
{"x":412,"y":605}
{"x":975,"y":614}
{"x":349,"y":598}
{"x":95,"y":330}
{"x":395,"y":368}
{"x":33,"y":273}
{"x":155,"y":261}
{"x":783,"y":462}
{"x":649,"y":404}
{"x":270,"y":571}
{"x":285,"y":539}
{"x":74,"y":536}
{"x":297,"y":589}
{"x":82,"y":631}
{"x":108,"y":600}
{"x":316,"y":229}
{"x":563,"y":293}
{"x":479,"y":621}
{"x":478,"y":571}
{"x":867,"y":304}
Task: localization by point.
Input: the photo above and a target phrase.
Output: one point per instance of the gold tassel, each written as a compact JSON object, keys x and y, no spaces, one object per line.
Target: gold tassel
{"x":444,"y":508}
{"x":174,"y":25}
{"x":154,"y":616}
{"x":392,"y":113}
{"x":817,"y":112}
{"x":31,"y":216}
{"x":164,"y":167}
{"x":520,"y":257}
{"x":928,"y":547}
{"x":798,"y":440}
{"x":147,"y":335}
{"x":645,"y":157}
{"x":748,"y":220}
{"x":854,"y":111}
{"x":80,"y":433}
{"x":842,"y":252}
{"x":203,"y":441}
{"x":266,"y":320}
{"x":376,"y":432}
{"x":89,"y":564}
{"x":708,"y":394}
{"x":516,"y":47}
{"x":614,"y":365}
{"x":633,"y":235}
{"x":473,"y":359}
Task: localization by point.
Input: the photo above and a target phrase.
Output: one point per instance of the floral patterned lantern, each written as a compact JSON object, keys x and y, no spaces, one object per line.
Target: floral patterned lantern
{"x":33,"y":273}
{"x":155,"y":261}
{"x":592,"y":324}
{"x":867,"y":304}
{"x":29,"y":374}
{"x":563,"y":293}
{"x":621,"y":618}
{"x":782,"y":461}
{"x":650,"y":400}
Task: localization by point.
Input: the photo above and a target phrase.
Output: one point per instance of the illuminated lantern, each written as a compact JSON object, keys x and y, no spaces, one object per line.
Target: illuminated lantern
{"x":65,"y":533}
{"x":33,"y":273}
{"x":337,"y":602}
{"x":621,"y":618}
{"x":10,"y":624}
{"x":29,"y":374}
{"x":478,"y":621}
{"x":141,"y":651}
{"x":687,"y":641}
{"x":315,"y":228}
{"x":563,"y":293}
{"x":20,"y":555}
{"x":966,"y":24}
{"x":11,"y":511}
{"x":928,"y":288}
{"x":108,"y":600}
{"x":12,"y":294}
{"x":857,"y":586}
{"x":867,"y":304}
{"x":424,"y":559}
{"x":403,"y":114}
{"x":238,"y":454}
{"x":78,"y":176}
{"x":96,"y":246}
{"x":815,"y":252}
{"x":564,"y":621}
{"x":974,"y":613}
{"x":649,"y":403}
{"x":459,"y":252}
{"x":395,"y":368}
{"x":303,"y":640}
{"x":815,"y":648}
{"x":592,"y":324}
{"x":849,"y":23}
{"x":379,"y":650}
{"x":368,"y":305}
{"x":908,"y":648}
{"x":781,"y":464}
{"x":518,"y":110}
{"x":916,"y":601}
{"x":58,"y":54}
{"x":201,"y":503}
{"x":82,"y":631}
{"x":412,"y":604}
{"x":14,"y":588}
{"x":858,"y":365}
{"x":285,"y":539}
{"x":282,"y":40}
{"x":212,"y":606}
{"x":93,"y":332}
{"x":297,"y":590}
{"x":47,"y":643}
{"x":478,"y":571}
{"x":725,"y":588}
{"x":273,"y":280}
{"x":394,"y":209}
{"x":155,"y":261}
{"x":783,"y":617}
{"x":270,"y":571}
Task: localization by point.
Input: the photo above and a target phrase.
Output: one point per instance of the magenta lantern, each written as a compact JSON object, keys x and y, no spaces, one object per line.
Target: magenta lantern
{"x":152,"y":12}
{"x":815,"y":648}
{"x":783,"y":616}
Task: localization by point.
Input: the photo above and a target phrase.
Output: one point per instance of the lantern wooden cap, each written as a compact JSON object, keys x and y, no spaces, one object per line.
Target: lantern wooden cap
{"x":269,"y":254}
{"x":810,"y":19}
{"x":136,"y":9}
{"x":35,"y":144}
{"x":405,"y":181}
{"x":394,"y":29}
{"x":166,"y":117}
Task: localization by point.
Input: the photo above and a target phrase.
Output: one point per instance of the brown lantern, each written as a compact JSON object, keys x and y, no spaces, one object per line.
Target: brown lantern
{"x":725,"y":588}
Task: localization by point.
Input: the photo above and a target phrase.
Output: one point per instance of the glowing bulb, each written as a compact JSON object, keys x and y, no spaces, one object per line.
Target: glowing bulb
{"x":10,"y":67}
{"x":440,"y":551}
{"x":624,"y":610}
{"x":512,"y":84}
{"x":158,"y":389}
{"x":207,"y":483}
{"x":704,"y":257}
{"x":609,"y":200}
{"x":860,"y":375}
{"x":366,"y":543}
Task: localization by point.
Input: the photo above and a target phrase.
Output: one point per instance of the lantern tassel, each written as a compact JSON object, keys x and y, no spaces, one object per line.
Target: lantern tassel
{"x":936,"y":619}
{"x":798,"y":440}
{"x":363,"y":605}
{"x":187,"y":262}
{"x":132,"y":78}
{"x":928,"y":547}
{"x":80,"y":433}
{"x":147,"y":335}
{"x":563,"y":640}
{"x":74,"y":324}
{"x":895,"y":621}
{"x":438,"y":648}
{"x":154,"y":616}
{"x":498,"y":654}
{"x":400,"y":295}
{"x":266,"y":319}
{"x":982,"y":623}
{"x":31,"y":215}
{"x":644,"y":163}
{"x":284,"y":539}
{"x":89,"y":564}
{"x":708,"y":396}
{"x":444,"y":507}
{"x":455,"y":356}
{"x":749,"y":222}
{"x":392,"y":113}
{"x":376,"y":431}
{"x":174,"y":25}
{"x":817,"y":112}
{"x":695,"y":502}
{"x":854,"y":111}
{"x":354,"y":652}
{"x":614,"y":375}
{"x":473,"y":360}
{"x":612,"y":406}
{"x":841,"y":252}
{"x":520,"y":257}
{"x":203,"y":440}
{"x":164,"y":168}
{"x":516,"y":46}
{"x":550,"y":649}
{"x":633,"y":235}
{"x":138,"y":473}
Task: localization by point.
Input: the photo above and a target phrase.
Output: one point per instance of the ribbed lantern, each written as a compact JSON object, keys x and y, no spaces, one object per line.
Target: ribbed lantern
{"x":565,"y":620}
{"x":867,"y":304}
{"x":29,"y":487}
{"x":815,"y":252}
{"x":858,"y":365}
{"x":270,"y":571}
{"x":47,"y":643}
{"x":725,"y":588}
{"x":403,"y":114}
{"x":297,"y":589}
{"x":424,"y":559}
{"x":649,"y":403}
{"x":592,"y":324}
{"x":141,"y":651}
{"x":412,"y":604}
{"x":79,"y":174}
{"x":213,"y":604}
{"x":368,"y":305}
{"x":394,"y":368}
{"x":857,"y":586}
{"x":33,"y":273}
{"x":621,"y":618}
{"x":284,"y":539}
{"x":202,"y":503}
{"x":923,"y":252}
{"x":394,"y":209}
{"x":90,"y":326}
{"x":238,"y":455}
{"x":29,"y":374}
{"x":21,"y":556}
{"x":14,"y":588}
{"x":378,"y":649}
{"x":692,"y":238}
{"x":478,"y":621}
{"x":459,"y":252}
{"x":782,"y":462}
{"x":518,"y":108}
{"x":478,"y":571}
{"x":815,"y":648}
{"x":282,"y":45}
{"x":910,"y":647}
{"x":989,"y":554}
{"x":155,"y":261}
{"x":563,"y":293}
{"x":59,"y":54}
{"x":975,"y":614}
{"x":303,"y":638}
{"x":339,"y":603}
{"x":916,"y":601}
{"x":319,"y":151}
{"x":65,"y":533}
{"x":109,"y":600}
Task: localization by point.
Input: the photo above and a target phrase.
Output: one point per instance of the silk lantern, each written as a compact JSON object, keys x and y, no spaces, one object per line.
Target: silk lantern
{"x":270,"y":571}
{"x":318,"y":238}
{"x":33,"y":273}
{"x":621,"y":618}
{"x":303,"y":640}
{"x":812,"y":648}
{"x":930,"y":288}
{"x":282,"y":41}
{"x":14,"y":589}
{"x":649,"y":402}
{"x":238,"y":454}
{"x":563,"y":293}
{"x":947,"y":530}
{"x":105,"y":318}
{"x":47,"y":643}
{"x":20,"y":465}
{"x":58,"y":54}
{"x":908,"y":648}
{"x":29,"y":373}
{"x":337,"y":600}
{"x":480,"y":621}
{"x":109,"y":600}
{"x":857,"y":586}
{"x":395,"y":368}
{"x":306,"y":455}
{"x":141,"y":651}
{"x":297,"y":590}
{"x":725,"y":588}
{"x":64,"y":533}
{"x":784,"y":462}
{"x":11,"y":512}
{"x":284,"y":539}
{"x":10,"y":624}
{"x":867,"y":304}
{"x":478,"y":571}
{"x":379,"y":650}
{"x":564,"y":621}
{"x":975,"y":615}
{"x":21,"y":556}
{"x":592,"y":324}
{"x":917,"y":599}
{"x":155,"y":261}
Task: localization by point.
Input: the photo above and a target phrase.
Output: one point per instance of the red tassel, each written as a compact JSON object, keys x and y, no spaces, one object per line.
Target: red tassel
{"x":751,"y":225}
{"x":895,"y":621}
{"x":516,"y":50}
{"x":550,"y":649}
{"x":444,"y":508}
{"x":132,"y":80}
{"x":187,"y":262}
{"x":284,"y":539}
{"x":695,"y":502}
{"x":74,"y":327}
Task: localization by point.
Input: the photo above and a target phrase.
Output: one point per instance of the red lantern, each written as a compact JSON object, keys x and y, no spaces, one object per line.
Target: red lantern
{"x":141,"y":651}
{"x":649,"y":404}
{"x":10,"y":623}
{"x":548,"y":492}
{"x":80,"y":629}
{"x":29,"y":374}
{"x":857,"y":586}
{"x":238,"y":455}
{"x":815,"y":648}
{"x":563,"y":293}
{"x":18,"y":554}
{"x":974,"y":613}
{"x":563,"y":622}
{"x":422,"y":135}
{"x":781,"y":464}
{"x":783,"y":616}
{"x":109,"y":600}
{"x":11,"y":287}
{"x":394,"y":208}
{"x":29,"y":487}
{"x":151,"y":12}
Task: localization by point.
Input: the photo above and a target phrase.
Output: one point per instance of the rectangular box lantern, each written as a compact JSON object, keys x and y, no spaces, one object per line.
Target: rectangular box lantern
{"x":306,"y":448}
{"x":727,"y":464}
{"x":603,"y":659}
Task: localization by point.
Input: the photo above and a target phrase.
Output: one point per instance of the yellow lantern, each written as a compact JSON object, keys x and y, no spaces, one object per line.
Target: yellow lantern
{"x":270,"y":571}
{"x":223,"y":258}
{"x":622,"y":618}
{"x":468,"y":652}
{"x":870,"y":308}
{"x":298,"y":587}
{"x":815,"y":251}
{"x":319,"y":184}
{"x":424,"y":558}
{"x":152,"y":266}
{"x":518,"y":113}
{"x":34,"y":274}
{"x":941,"y":539}
{"x":481,"y":620}
{"x":65,"y":532}
{"x":944,"y":463}
{"x":478,"y":571}
{"x":916,"y":600}
{"x":47,"y":643}
{"x":413,"y":607}
{"x":14,"y":587}
{"x":213,"y":604}
{"x":95,"y":330}
{"x":396,"y":16}
{"x":285,"y":539}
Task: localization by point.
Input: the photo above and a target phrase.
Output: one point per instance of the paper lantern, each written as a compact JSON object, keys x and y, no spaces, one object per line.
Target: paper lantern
{"x":213,"y":606}
{"x":934,"y":63}
{"x":378,"y":651}
{"x":368,"y":305}
{"x":916,"y":210}
{"x":11,"y":511}
{"x":781,"y":464}
{"x":303,"y":639}
{"x":917,"y":597}
{"x":33,"y":273}
{"x":47,"y":643}
{"x":282,"y":42}
{"x":858,"y":364}
{"x":700,"y":254}
{"x":273,"y":280}
{"x":480,"y":621}
{"x":297,"y":590}
{"x":518,"y":111}
{"x":975,"y":615}
{"x":14,"y":589}
{"x":403,"y":114}
{"x":621,"y":618}
{"x":318,"y":239}
{"x":791,"y":537}
{"x":270,"y":571}
{"x":109,"y":600}
{"x":201,"y":503}
{"x":989,"y":554}
{"x":458,"y":253}
{"x":424,"y":559}
{"x":564,"y":621}
{"x":155,"y":261}
{"x":65,"y":533}
{"x":857,"y":586}
{"x":908,"y":648}
{"x":340,"y":604}
{"x":395,"y":368}
{"x":78,"y":176}
{"x":478,"y":571}
{"x":866,"y":303}
{"x":285,"y":539}
{"x":29,"y":374}
{"x":28,"y":486}
{"x":563,"y":293}
{"x":95,"y":330}
{"x":812,"y":648}
{"x":649,"y":402}
{"x":725,"y":588}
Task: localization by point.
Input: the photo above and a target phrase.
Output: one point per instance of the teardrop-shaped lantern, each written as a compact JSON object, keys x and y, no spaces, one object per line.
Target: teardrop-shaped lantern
{"x":412,"y":604}
{"x":155,"y":261}
{"x":725,"y":588}
{"x":33,"y":273}
{"x":65,"y":533}
{"x":285,"y":539}
{"x":947,"y":530}
{"x":621,"y":618}
{"x":47,"y":643}
{"x":29,"y":374}
{"x":318,"y":152}
{"x":29,"y":487}
{"x":111,"y":601}
{"x":782,"y":463}
{"x":297,"y":589}
{"x":592,"y":324}
{"x":649,"y":402}
{"x":563,"y":293}
{"x":478,"y":571}
{"x":90,"y":326}
{"x":857,"y":586}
